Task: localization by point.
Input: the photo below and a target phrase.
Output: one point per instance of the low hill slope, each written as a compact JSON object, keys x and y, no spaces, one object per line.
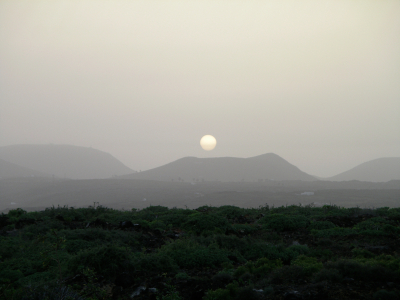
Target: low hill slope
{"x":65,"y":161}
{"x":263,"y":167}
{"x":10,"y":170}
{"x":377,"y":170}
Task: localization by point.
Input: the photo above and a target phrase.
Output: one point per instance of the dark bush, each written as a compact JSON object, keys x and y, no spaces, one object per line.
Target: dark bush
{"x":280,"y":222}
{"x":288,"y":274}
{"x":321,"y":225}
{"x":386,"y":295}
{"x":155,"y":209}
{"x":104,"y":260}
{"x":221,"y":279}
{"x":332,"y":275}
{"x":204,"y":222}
{"x":52,"y":293}
{"x":188,"y":254}
{"x":155,"y":263}
{"x":230,"y":212}
{"x":359,"y":271}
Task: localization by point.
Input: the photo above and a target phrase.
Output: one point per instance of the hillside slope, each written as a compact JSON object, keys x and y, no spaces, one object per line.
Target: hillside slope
{"x":10,"y":170}
{"x":263,"y":167}
{"x":65,"y":161}
{"x":377,"y":170}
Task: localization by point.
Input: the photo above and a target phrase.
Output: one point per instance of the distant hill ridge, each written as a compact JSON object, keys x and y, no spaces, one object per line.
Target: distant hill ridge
{"x":263,"y":167}
{"x":376,"y":170}
{"x":65,"y":161}
{"x":10,"y":170}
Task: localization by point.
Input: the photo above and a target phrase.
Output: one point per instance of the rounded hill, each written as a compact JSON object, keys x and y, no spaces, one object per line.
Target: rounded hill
{"x":263,"y":167}
{"x":65,"y":161}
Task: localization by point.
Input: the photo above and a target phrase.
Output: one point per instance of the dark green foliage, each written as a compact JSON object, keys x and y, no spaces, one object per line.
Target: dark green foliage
{"x":310,"y":265}
{"x":188,"y":254}
{"x":332,"y":275}
{"x":15,"y":214}
{"x":386,"y":295}
{"x":231,"y":250}
{"x":104,"y":260}
{"x":337,"y":231}
{"x":319,"y":225}
{"x":360,"y":271}
{"x":357,"y":252}
{"x":244,"y":228}
{"x":280,"y":222}
{"x":155,"y":263}
{"x":323,"y":254}
{"x":201,"y":222}
{"x":175,"y":217}
{"x":230,"y":212}
{"x":288,"y":274}
{"x":52,"y":293}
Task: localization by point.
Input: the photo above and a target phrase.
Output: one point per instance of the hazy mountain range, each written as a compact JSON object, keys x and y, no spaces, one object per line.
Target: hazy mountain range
{"x":377,"y":170}
{"x":63,"y":161}
{"x":8,"y":169}
{"x":73,"y":162}
{"x":259,"y":168}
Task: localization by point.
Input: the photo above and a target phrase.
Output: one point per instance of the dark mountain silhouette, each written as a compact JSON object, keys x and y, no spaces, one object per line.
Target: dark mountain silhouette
{"x":65,"y":161}
{"x":9,"y":170}
{"x":377,"y":170}
{"x":264,"y":167}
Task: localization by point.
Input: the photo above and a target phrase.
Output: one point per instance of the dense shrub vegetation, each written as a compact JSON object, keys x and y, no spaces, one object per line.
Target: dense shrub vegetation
{"x":208,"y":253}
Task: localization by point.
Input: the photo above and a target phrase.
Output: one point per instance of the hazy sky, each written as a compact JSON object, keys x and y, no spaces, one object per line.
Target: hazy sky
{"x":316,"y":82}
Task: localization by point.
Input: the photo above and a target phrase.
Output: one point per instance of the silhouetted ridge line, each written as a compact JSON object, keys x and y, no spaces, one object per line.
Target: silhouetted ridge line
{"x":259,"y":168}
{"x":65,"y":161}
{"x":376,"y":170}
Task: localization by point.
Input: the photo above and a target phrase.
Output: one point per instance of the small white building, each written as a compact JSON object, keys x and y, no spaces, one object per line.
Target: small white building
{"x":307,"y":194}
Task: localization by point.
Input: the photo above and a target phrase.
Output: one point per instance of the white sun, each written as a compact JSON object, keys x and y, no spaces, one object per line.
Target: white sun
{"x":208,"y":142}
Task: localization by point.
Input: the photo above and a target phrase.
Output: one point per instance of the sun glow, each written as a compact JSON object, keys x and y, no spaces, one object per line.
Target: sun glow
{"x":208,"y":142}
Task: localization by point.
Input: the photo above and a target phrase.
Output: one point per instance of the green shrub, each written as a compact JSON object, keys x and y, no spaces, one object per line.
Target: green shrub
{"x":230,"y":212}
{"x":155,"y":263}
{"x":203,"y":222}
{"x":362,"y":271}
{"x":182,"y":276}
{"x":287,"y":274}
{"x":157,"y":224}
{"x":362,"y":253}
{"x":9,"y":276}
{"x":332,"y":275}
{"x":188,"y":254}
{"x":337,"y":231}
{"x":280,"y":222}
{"x":155,"y":209}
{"x":386,"y":261}
{"x":176,"y":217}
{"x":272,"y":252}
{"x":386,"y":295}
{"x":104,"y":260}
{"x":15,"y":214}
{"x":56,"y":293}
{"x":264,"y":266}
{"x":171,"y":294}
{"x":309,"y":264}
{"x":244,"y":228}
{"x":387,"y":228}
{"x":320,"y":225}
{"x":229,"y":293}
{"x":232,"y":242}
{"x":323,"y":254}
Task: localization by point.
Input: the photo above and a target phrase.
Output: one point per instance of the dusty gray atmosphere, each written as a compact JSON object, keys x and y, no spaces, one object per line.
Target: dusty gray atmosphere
{"x":188,"y":182}
{"x":108,"y":101}
{"x":316,"y":83}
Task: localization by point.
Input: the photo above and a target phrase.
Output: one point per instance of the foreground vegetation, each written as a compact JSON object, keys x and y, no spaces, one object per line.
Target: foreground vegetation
{"x":211,"y":253}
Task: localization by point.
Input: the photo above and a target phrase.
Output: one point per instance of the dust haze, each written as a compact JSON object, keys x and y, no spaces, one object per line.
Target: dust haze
{"x":315,"y":82}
